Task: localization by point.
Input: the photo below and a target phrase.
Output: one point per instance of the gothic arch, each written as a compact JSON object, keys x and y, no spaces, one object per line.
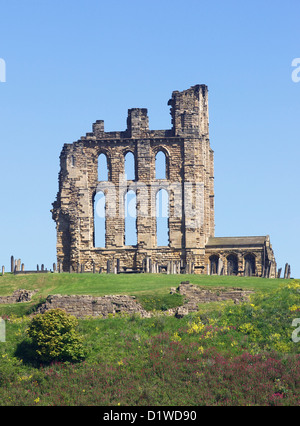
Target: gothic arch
{"x":214,"y":264}
{"x":103,"y":166}
{"x":232,"y":264}
{"x":99,"y":207}
{"x":161,"y":163}
{"x":162,"y":213}
{"x":129,"y":165}
{"x":130,"y":217}
{"x":250,"y":264}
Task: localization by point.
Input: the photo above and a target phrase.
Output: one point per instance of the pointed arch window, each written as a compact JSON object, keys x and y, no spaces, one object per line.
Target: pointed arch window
{"x":162,"y":218}
{"x":160,"y":165}
{"x":99,"y":220}
{"x":102,"y":168}
{"x":130,"y":238}
{"x":232,"y":264}
{"x":129,"y":166}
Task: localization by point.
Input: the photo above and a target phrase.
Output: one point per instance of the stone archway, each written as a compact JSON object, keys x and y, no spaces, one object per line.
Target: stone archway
{"x":232,"y":264}
{"x":250,"y":267}
{"x":214,"y":264}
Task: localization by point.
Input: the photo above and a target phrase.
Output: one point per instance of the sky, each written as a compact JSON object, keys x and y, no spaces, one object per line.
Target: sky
{"x":70,"y":63}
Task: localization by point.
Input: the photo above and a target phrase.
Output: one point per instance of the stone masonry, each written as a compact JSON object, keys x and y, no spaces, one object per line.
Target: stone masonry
{"x":84,"y":306}
{"x":189,"y":160}
{"x":189,"y":183}
{"x":102,"y":306}
{"x":18,"y":296}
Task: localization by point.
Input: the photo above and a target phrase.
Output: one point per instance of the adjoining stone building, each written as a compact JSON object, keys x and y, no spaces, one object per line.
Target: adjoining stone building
{"x":186,"y":184}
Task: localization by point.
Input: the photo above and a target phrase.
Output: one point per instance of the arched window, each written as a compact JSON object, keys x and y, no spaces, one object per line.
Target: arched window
{"x":130,"y":219}
{"x":232,"y":264}
{"x":160,"y":165}
{"x":102,"y":168}
{"x":162,"y":218}
{"x":129,"y":166}
{"x":214,"y":264}
{"x":249,"y":265}
{"x":99,"y":220}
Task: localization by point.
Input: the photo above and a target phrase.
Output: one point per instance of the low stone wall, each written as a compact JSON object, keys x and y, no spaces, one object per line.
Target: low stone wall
{"x":18,"y":296}
{"x":196,"y":295}
{"x":83,"y":306}
{"x":204,"y":295}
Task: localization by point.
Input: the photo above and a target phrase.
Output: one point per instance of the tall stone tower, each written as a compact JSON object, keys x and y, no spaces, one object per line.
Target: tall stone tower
{"x":188,"y":183}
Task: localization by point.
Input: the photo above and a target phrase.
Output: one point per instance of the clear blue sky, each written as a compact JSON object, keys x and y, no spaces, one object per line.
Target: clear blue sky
{"x":69,"y":63}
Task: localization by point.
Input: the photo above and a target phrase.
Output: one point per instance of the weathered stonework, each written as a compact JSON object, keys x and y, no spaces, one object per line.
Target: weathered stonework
{"x":196,"y":295}
{"x":18,"y":296}
{"x":88,"y":306}
{"x":189,"y":161}
{"x":250,"y":256}
{"x":102,"y":306}
{"x":190,"y":185}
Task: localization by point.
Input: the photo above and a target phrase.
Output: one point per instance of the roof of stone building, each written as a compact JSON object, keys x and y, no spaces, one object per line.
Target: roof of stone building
{"x":235,"y":241}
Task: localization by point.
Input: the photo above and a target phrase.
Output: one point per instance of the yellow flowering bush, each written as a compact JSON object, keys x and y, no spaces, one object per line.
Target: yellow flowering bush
{"x":54,"y":337}
{"x":294,"y":308}
{"x":196,"y":327}
{"x":247,"y":328}
{"x":294,"y":285}
{"x":176,"y":337}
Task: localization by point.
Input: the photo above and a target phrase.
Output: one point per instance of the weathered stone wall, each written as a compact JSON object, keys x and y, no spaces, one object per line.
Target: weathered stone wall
{"x":189,"y":182}
{"x":239,"y":247}
{"x":189,"y":172}
{"x":18,"y":296}
{"x":89,"y":306}
{"x":84,"y":306}
{"x":196,"y":295}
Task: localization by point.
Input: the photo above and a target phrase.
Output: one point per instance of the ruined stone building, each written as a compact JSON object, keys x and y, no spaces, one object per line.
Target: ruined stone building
{"x":93,"y":184}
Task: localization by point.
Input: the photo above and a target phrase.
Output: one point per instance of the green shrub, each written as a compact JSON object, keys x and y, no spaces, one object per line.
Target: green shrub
{"x":54,"y":337}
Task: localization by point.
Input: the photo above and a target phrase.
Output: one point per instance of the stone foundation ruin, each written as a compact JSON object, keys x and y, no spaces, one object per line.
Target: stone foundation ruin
{"x":102,"y":306}
{"x":94,"y":191}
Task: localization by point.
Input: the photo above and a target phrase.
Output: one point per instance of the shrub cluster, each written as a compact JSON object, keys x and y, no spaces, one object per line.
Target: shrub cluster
{"x":54,"y":337}
{"x":234,"y":355}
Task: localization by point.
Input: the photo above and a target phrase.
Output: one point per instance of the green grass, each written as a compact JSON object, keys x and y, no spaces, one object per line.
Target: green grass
{"x":132,"y":284}
{"x":152,"y":290}
{"x":225,"y":354}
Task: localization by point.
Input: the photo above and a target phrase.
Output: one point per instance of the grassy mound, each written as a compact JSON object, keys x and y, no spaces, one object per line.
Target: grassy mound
{"x":225,"y":354}
{"x":151,"y":290}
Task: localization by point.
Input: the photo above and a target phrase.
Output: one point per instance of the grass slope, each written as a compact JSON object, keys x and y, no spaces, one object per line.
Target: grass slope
{"x":152,"y":290}
{"x":133,"y":284}
{"x":225,"y":354}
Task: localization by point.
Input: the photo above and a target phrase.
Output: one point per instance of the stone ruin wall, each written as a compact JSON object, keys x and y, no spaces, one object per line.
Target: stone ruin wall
{"x":240,"y":253}
{"x":189,"y":159}
{"x":91,"y":306}
{"x":189,"y":162}
{"x":18,"y":296}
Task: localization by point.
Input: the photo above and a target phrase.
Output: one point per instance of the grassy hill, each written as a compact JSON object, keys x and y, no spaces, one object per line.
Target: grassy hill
{"x":132,"y":284}
{"x":225,"y":354}
{"x":146,"y":287}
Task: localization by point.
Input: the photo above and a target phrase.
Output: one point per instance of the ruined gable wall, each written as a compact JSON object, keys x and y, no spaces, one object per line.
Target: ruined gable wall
{"x":189,"y":159}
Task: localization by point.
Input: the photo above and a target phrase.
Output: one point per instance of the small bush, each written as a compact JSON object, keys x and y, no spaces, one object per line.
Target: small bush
{"x":54,"y":337}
